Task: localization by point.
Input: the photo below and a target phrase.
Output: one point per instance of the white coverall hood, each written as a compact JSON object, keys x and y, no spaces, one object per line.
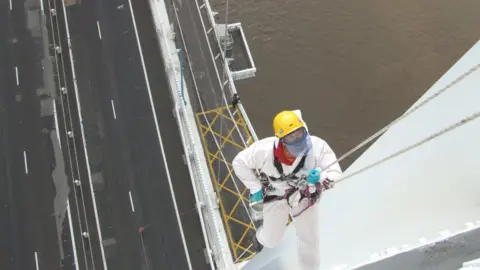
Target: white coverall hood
{"x":302,"y":145}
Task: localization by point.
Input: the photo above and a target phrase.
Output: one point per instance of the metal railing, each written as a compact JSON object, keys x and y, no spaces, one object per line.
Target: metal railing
{"x":207,"y":206}
{"x":229,"y":83}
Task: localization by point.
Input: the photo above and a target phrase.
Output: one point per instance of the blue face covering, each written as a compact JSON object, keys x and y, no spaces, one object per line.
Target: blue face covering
{"x":300,"y":147}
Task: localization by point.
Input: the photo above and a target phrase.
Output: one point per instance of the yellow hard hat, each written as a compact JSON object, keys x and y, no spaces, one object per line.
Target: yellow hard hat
{"x":285,"y":123}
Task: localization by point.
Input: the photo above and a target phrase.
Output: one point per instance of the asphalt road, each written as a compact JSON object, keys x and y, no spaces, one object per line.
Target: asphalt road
{"x":182,"y":184}
{"x":137,"y":216}
{"x":35,"y":229}
{"x":82,"y":199}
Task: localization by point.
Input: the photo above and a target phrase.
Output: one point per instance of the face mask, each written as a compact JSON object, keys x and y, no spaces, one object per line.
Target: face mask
{"x":300,"y":147}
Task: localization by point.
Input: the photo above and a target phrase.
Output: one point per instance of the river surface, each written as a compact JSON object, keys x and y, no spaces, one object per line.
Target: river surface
{"x":350,"y":66}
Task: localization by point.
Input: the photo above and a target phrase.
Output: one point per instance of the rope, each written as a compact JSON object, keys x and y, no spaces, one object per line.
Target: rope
{"x":408,"y":148}
{"x":383,"y":130}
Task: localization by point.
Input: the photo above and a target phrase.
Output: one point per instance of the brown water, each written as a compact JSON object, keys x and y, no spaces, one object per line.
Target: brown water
{"x":350,"y":66}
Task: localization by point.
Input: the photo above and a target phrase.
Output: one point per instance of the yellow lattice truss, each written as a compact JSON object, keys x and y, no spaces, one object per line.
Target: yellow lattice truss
{"x":222,"y":140}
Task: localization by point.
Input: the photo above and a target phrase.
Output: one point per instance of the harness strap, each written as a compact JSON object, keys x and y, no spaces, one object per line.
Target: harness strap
{"x":279,"y":167}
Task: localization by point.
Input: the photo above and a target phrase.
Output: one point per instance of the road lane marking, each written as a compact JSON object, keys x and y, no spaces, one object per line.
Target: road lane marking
{"x":25,"y":160}
{"x":72,"y":237}
{"x":113,"y":108}
{"x":131,"y":201}
{"x":10,"y":4}
{"x":56,"y":122}
{"x":36,"y":261}
{"x":79,"y":111}
{"x":99,"y":31}
{"x":147,"y":82}
{"x":41,"y":5}
{"x":141,"y":230}
{"x":16,"y":75}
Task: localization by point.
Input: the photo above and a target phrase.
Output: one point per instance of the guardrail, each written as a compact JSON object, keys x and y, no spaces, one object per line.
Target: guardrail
{"x":229,"y":84}
{"x":245,"y":73}
{"x":219,"y":254}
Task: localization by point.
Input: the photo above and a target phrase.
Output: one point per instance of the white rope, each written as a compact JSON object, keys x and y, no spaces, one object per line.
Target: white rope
{"x":406,"y":149}
{"x":417,"y":144}
{"x":383,"y":130}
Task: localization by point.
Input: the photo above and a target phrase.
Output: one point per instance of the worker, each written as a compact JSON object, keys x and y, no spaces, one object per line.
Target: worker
{"x":278,"y":172}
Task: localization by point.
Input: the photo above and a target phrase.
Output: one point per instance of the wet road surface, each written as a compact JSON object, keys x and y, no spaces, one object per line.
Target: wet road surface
{"x":129,"y":169}
{"x":35,"y":225}
{"x":182,"y":184}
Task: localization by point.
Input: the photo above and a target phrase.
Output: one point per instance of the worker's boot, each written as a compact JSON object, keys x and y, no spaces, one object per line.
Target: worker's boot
{"x":256,"y":246}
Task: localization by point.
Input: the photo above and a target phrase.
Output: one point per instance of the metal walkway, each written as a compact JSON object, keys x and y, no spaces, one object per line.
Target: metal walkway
{"x":224,"y":129}
{"x":203,"y":87}
{"x":223,"y":137}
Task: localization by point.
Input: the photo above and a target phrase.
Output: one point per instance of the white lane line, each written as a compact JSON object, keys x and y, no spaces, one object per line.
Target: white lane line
{"x":72,"y":236}
{"x":56,"y":123}
{"x":131,"y":201}
{"x":99,"y":31}
{"x":25,"y":160}
{"x":10,"y":4}
{"x":147,"y":82}
{"x":113,"y":108}
{"x":41,"y":5}
{"x":79,"y":110}
{"x":16,"y":75}
{"x":36,"y":261}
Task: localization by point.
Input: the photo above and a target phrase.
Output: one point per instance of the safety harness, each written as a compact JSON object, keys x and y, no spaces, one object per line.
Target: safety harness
{"x":283,"y":177}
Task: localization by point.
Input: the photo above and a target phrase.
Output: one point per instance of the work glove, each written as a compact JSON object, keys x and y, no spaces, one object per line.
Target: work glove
{"x":314,"y":177}
{"x":314,"y":188}
{"x":256,"y":205}
{"x":306,"y":190}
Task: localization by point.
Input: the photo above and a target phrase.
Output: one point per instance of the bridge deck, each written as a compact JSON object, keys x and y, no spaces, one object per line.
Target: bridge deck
{"x":225,"y":133}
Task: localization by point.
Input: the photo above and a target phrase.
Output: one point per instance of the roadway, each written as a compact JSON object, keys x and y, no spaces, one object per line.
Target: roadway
{"x":130,"y":171}
{"x":35,"y":229}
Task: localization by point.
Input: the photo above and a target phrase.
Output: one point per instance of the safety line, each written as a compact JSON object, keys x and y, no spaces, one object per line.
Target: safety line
{"x":408,"y":148}
{"x":383,"y":130}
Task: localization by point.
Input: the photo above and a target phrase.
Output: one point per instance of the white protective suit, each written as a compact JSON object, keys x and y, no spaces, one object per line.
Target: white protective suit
{"x":259,"y":156}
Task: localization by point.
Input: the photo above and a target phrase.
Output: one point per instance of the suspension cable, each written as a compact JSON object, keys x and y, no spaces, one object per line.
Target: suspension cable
{"x":384,"y":129}
{"x":404,"y":150}
{"x":408,"y":148}
{"x":417,"y":144}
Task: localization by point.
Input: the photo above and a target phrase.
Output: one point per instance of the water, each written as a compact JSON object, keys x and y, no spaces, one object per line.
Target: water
{"x":350,"y":66}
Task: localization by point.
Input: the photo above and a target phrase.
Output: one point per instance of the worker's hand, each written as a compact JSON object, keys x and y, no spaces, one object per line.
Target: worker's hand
{"x":327,"y":184}
{"x":313,"y":196}
{"x":256,"y":205}
{"x":314,"y":176}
